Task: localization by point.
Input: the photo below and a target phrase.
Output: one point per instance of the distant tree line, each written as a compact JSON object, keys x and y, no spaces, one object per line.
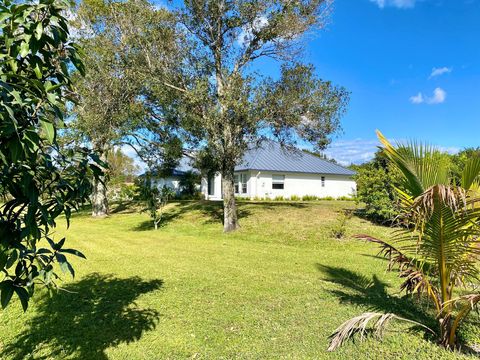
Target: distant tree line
{"x":377,"y":180}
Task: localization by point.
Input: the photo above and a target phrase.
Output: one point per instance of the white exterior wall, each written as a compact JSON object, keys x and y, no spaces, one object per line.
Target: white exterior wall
{"x":259,"y":184}
{"x":301,"y":184}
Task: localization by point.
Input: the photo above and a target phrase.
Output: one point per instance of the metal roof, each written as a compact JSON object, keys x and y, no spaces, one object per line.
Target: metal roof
{"x":271,"y":156}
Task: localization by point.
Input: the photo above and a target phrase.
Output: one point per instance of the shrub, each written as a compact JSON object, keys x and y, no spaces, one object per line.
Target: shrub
{"x":346,"y":198}
{"x":376,"y":182}
{"x":340,"y":227}
{"x":295,"y":198}
{"x":309,"y":198}
{"x":327,"y":198}
{"x":279,"y":198}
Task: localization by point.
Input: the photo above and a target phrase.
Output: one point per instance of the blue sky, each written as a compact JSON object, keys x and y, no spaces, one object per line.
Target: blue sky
{"x":413,"y":69}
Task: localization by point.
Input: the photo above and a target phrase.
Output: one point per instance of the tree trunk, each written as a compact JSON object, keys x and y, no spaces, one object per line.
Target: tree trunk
{"x":99,"y":191}
{"x":230,"y":219}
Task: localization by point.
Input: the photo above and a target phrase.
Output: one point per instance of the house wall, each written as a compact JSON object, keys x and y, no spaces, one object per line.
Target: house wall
{"x":259,"y":184}
{"x":301,"y":184}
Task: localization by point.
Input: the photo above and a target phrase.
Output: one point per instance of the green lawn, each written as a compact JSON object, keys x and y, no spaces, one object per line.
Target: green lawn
{"x":277,"y":288}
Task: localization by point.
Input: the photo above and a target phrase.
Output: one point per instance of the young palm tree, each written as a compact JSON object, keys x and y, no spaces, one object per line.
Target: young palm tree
{"x":438,"y":250}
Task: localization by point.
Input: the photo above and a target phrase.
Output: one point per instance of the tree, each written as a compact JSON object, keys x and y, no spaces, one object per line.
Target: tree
{"x":233,"y":106}
{"x":128,"y":46}
{"x":155,"y":199}
{"x":121,"y":168}
{"x":439,"y":250}
{"x":39,"y":180}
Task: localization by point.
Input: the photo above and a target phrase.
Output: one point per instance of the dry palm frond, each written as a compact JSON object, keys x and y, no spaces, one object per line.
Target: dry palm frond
{"x":415,"y":279}
{"x":393,"y":254}
{"x":359,"y":324}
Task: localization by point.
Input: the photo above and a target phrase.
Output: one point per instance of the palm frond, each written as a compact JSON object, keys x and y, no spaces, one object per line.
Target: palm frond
{"x":471,"y":173}
{"x":360,"y":325}
{"x":421,"y":165}
{"x":412,"y":271}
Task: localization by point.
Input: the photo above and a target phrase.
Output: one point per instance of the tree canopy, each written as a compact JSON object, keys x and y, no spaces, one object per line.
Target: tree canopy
{"x":39,"y":180}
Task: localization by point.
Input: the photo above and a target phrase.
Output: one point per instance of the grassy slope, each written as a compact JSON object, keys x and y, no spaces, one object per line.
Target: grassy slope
{"x":275,"y":289}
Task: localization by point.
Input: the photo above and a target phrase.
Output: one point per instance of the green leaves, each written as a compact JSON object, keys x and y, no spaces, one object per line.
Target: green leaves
{"x":6,"y":292}
{"x":40,"y":180}
{"x":49,"y":131}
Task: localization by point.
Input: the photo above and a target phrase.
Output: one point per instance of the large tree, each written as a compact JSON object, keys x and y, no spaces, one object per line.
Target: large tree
{"x":128,"y":45}
{"x":39,"y":180}
{"x":233,"y":105}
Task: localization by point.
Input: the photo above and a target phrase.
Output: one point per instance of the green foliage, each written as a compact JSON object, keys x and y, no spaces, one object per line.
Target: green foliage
{"x":295,"y":198}
{"x":121,"y":168}
{"x":279,"y":198}
{"x":40,"y":181}
{"x":376,"y":182}
{"x":309,"y":197}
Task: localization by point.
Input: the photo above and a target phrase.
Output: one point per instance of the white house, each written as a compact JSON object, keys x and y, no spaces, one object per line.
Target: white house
{"x":270,"y":170}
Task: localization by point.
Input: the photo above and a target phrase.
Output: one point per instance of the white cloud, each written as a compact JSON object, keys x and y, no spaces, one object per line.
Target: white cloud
{"x":401,"y":4}
{"x":356,"y":151}
{"x":417,"y":99}
{"x":439,"y":96}
{"x":440,"y":71}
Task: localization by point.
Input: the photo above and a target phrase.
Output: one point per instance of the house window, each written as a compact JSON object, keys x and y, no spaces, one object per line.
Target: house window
{"x":244,"y":183}
{"x":241,"y":184}
{"x":323,"y":181}
{"x":237,"y":184}
{"x":278,"y":182}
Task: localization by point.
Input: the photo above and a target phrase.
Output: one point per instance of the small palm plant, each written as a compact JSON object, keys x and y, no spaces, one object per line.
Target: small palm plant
{"x":438,"y":250}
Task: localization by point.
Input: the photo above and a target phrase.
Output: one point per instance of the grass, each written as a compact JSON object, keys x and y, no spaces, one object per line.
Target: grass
{"x":277,"y":288}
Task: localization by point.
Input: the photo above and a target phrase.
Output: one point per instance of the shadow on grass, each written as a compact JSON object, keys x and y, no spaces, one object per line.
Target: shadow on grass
{"x":93,"y":314}
{"x":372,"y":293}
{"x":211,"y":210}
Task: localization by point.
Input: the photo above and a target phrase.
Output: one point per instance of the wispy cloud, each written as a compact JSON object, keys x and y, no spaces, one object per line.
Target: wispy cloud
{"x":439,"y":96}
{"x":401,"y":4}
{"x":355,"y":151}
{"x":440,"y":71}
{"x":417,"y":99}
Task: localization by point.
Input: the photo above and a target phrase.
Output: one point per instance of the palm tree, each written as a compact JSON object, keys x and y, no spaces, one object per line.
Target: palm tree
{"x":438,"y":249}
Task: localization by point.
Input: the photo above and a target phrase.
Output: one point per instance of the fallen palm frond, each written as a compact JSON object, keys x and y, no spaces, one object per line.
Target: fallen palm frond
{"x":359,"y":325}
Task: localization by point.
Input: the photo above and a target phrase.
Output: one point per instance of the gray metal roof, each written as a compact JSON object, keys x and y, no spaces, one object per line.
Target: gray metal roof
{"x":271,"y":156}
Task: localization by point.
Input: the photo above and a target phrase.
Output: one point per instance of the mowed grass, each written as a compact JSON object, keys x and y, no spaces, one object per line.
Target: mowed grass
{"x":275,"y":289}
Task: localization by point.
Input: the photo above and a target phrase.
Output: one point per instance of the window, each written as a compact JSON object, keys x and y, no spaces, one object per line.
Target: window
{"x":278,"y":182}
{"x":323,"y":181}
{"x":244,"y":183}
{"x":241,"y":184}
{"x":237,"y":184}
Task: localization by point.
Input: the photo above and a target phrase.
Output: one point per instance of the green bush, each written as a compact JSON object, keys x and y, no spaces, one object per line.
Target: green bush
{"x":295,"y":198}
{"x":346,"y":198}
{"x":309,"y":198}
{"x":327,"y":198}
{"x":376,"y":189}
{"x":279,"y":198}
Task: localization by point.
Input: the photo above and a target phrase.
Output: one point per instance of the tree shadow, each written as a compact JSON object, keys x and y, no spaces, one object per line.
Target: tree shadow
{"x":92,"y":315}
{"x":372,"y":293}
{"x":211,"y":210}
